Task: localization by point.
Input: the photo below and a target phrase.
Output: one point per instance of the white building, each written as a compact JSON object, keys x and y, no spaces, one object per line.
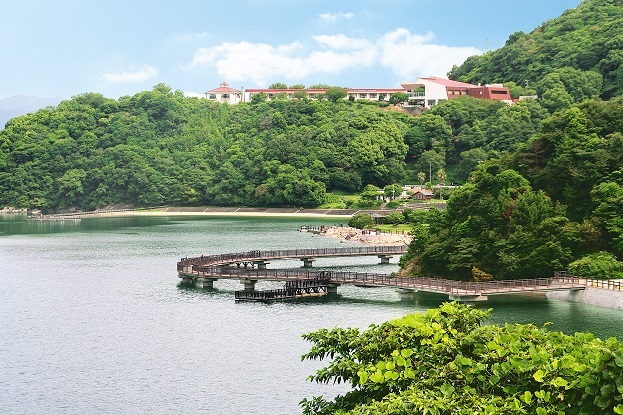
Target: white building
{"x":224,"y":94}
{"x":427,"y":92}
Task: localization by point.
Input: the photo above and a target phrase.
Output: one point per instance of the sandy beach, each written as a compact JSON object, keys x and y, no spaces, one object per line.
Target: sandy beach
{"x":248,"y":212}
{"x":344,"y":214}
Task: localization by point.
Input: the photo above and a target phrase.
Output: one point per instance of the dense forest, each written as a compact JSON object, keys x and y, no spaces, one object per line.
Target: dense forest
{"x":159,"y":147}
{"x":588,"y":38}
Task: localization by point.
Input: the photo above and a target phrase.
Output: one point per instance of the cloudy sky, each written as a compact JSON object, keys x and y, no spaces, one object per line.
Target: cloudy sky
{"x":63,"y":48}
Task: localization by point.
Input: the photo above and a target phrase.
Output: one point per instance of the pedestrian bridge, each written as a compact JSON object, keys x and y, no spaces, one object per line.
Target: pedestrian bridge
{"x":251,"y":267}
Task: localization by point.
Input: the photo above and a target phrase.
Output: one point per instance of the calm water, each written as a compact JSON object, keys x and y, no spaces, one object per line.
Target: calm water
{"x":93,"y":320}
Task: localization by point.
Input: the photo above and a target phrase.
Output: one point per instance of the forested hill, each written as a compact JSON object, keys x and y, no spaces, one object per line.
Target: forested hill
{"x":587,"y":38}
{"x":159,"y":147}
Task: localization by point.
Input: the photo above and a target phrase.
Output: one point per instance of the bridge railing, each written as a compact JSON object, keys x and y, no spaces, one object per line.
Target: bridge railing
{"x":430,"y":284}
{"x":205,"y":260}
{"x":616,"y":285}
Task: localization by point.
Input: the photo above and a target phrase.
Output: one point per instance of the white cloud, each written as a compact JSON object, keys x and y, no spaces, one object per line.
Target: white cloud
{"x":332,"y":17}
{"x":341,"y":42}
{"x":407,"y":55}
{"x":142,"y":74}
{"x":411,"y":56}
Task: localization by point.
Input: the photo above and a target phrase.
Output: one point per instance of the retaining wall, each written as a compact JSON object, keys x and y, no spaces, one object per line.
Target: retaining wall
{"x":595,"y":296}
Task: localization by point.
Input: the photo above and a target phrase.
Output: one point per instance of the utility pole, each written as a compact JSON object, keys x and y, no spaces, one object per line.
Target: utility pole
{"x":430,"y":173}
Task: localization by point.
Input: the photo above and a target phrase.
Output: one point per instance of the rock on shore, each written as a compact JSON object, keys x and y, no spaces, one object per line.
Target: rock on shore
{"x":367,"y":236}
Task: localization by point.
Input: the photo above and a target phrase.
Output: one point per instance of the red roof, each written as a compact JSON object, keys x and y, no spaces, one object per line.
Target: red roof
{"x":317,"y":90}
{"x":447,"y":82}
{"x":224,"y":88}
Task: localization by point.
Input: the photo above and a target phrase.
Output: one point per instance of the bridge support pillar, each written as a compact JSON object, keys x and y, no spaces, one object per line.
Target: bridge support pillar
{"x":209,"y":282}
{"x":308,"y":262}
{"x":332,"y":288}
{"x":187,"y":279}
{"x":406,"y":294}
{"x":249,"y":285}
{"x":468,"y":299}
{"x":385,"y":258}
{"x":574,"y":295}
{"x":261,"y":264}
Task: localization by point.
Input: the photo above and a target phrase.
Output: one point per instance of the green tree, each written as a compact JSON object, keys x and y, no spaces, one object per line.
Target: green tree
{"x":259,"y":98}
{"x":421,"y":176}
{"x":392,"y":190}
{"x":278,"y":85}
{"x":360,"y":221}
{"x":335,"y":93}
{"x":398,"y":98}
{"x":447,"y":361}
{"x":319,"y":86}
{"x":597,"y":265}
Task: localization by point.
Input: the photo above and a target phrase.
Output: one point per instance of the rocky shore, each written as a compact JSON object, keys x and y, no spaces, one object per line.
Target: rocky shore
{"x":368,"y":236}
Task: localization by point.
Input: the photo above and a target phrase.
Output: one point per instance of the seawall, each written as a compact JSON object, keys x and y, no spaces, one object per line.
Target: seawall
{"x":591,"y":295}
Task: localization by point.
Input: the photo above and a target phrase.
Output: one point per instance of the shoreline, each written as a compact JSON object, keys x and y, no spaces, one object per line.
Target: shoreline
{"x":212,"y":211}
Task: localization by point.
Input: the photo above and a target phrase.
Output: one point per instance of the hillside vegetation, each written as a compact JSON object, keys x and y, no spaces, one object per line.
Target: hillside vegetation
{"x":588,"y":38}
{"x":159,"y":147}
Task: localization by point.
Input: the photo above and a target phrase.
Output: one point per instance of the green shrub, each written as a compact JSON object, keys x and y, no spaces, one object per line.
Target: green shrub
{"x":360,"y":221}
{"x":599,"y":265}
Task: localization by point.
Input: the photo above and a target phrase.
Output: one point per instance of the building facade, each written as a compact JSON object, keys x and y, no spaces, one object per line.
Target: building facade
{"x":425,"y":92}
{"x":225,"y":94}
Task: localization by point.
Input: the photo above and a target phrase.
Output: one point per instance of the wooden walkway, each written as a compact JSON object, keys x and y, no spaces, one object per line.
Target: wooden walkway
{"x":250,"y":267}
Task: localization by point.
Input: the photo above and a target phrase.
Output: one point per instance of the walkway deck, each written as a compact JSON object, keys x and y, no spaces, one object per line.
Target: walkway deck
{"x":207,"y":269}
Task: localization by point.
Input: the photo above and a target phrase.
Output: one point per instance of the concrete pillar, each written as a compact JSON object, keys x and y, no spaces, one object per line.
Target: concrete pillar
{"x":406,"y":294}
{"x":385,"y":258}
{"x":249,"y":285}
{"x":209,"y":282}
{"x":187,"y":279}
{"x":332,"y":288}
{"x":261,"y":264}
{"x":468,"y":299}
{"x":574,"y":295}
{"x":307,"y":262}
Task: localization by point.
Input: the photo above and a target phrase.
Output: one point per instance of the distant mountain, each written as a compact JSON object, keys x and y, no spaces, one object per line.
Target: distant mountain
{"x":587,"y":38}
{"x":23,"y":104}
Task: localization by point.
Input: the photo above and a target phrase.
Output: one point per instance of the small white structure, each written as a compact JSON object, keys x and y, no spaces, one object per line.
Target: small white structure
{"x":224,"y":94}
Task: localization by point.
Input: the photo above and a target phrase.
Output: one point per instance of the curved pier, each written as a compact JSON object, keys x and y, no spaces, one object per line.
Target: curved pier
{"x":250,"y":267}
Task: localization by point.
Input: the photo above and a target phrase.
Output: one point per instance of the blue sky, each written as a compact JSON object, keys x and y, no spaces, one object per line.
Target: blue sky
{"x":63,"y":48}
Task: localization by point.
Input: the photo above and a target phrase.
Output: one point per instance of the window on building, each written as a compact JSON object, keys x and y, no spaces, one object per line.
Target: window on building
{"x":362,"y":95}
{"x":212,"y":96}
{"x":498,"y":92}
{"x":372,"y":95}
{"x":270,"y":96}
{"x":431,"y":102}
{"x":312,"y":95}
{"x":225,"y":96}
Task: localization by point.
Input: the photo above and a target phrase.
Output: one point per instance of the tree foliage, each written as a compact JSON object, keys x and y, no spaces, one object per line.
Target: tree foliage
{"x":583,"y":45}
{"x":447,"y":361}
{"x":159,"y":147}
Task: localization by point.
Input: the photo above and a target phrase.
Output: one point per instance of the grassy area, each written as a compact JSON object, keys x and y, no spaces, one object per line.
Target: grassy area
{"x":338,"y":200}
